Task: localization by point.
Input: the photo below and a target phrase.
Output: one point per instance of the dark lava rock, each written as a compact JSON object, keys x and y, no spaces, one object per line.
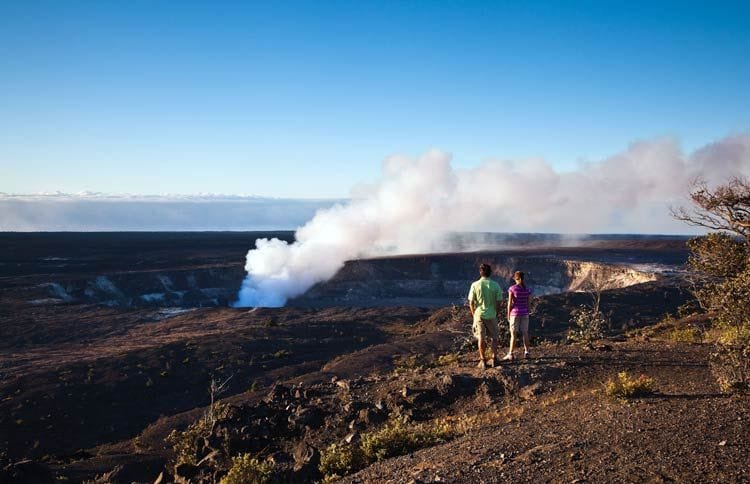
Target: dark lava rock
{"x":218,"y":437}
{"x":142,"y":470}
{"x":425,"y":397}
{"x":210,"y":459}
{"x":185,"y":472}
{"x":307,"y":417}
{"x":79,"y":455}
{"x":530,"y":391}
{"x":343,"y":385}
{"x":523,"y":379}
{"x":277,"y":394}
{"x":370,"y":417}
{"x":401,"y":411}
{"x":453,"y":386}
{"x":306,"y":462}
{"x":26,"y":471}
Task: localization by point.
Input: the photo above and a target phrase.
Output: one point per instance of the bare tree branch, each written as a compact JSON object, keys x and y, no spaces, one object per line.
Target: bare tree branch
{"x":725,"y":208}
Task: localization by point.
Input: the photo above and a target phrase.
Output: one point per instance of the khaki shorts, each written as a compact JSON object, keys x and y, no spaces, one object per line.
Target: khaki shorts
{"x":484,"y":328}
{"x":519,"y":324}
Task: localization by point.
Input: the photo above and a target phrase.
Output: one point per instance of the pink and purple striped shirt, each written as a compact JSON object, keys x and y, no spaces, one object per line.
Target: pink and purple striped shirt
{"x":520,"y":300}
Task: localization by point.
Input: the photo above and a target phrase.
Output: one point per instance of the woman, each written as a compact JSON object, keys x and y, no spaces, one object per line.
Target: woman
{"x":518,"y":313}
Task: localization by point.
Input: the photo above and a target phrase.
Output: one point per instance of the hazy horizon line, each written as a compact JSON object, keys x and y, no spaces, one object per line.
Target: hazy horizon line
{"x":132,"y":197}
{"x":293,"y":230}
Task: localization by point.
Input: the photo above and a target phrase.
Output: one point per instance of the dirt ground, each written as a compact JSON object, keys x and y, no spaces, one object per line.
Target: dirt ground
{"x":688,"y":431}
{"x":546,"y":418}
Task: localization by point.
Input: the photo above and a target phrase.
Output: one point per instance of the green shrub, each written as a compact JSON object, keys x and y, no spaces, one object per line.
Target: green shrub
{"x":587,"y":324}
{"x":339,"y":460}
{"x":185,"y":443}
{"x":721,"y":278}
{"x":688,"y":309}
{"x":686,"y":335}
{"x":625,"y":386}
{"x":411,"y":362}
{"x":447,"y":359}
{"x":730,"y":361}
{"x":399,"y":438}
{"x":249,"y":470}
{"x":394,"y":439}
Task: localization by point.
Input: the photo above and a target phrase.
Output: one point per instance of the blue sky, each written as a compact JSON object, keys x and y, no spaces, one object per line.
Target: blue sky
{"x":305,"y":99}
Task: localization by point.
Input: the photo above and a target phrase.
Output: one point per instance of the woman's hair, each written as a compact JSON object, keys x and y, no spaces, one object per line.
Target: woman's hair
{"x":485,"y":270}
{"x":519,"y":275}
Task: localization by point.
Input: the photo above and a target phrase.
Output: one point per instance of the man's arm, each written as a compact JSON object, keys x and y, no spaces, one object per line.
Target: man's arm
{"x":471,"y":300}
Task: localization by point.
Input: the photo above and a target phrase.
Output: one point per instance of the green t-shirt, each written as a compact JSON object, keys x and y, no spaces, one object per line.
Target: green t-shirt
{"x":485,"y":294}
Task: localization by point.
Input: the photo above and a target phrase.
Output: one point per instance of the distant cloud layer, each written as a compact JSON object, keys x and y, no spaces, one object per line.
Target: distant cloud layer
{"x":93,"y":211}
{"x":418,"y":199}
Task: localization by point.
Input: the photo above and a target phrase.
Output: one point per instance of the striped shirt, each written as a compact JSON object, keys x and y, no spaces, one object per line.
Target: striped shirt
{"x":520,"y":300}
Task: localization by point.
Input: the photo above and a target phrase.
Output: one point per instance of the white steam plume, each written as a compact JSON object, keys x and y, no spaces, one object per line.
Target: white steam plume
{"x":418,"y":200}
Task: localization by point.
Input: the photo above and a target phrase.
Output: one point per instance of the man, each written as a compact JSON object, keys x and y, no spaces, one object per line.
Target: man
{"x":485,"y":297}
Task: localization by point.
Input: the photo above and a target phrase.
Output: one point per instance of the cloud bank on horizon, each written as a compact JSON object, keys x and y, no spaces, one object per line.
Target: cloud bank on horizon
{"x":418,"y":200}
{"x":95,"y":211}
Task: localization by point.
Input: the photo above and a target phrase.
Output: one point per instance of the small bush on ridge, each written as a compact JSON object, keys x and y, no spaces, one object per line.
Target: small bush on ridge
{"x":185,"y":443}
{"x":339,"y":460}
{"x":626,"y":386}
{"x":730,"y":361}
{"x":686,"y":335}
{"x":587,"y":325}
{"x":247,"y":469}
{"x":400,"y":438}
{"x":394,"y":439}
{"x":447,"y":359}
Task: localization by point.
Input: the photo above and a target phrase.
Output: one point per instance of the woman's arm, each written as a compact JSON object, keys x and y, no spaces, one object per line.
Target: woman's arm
{"x":511,"y":301}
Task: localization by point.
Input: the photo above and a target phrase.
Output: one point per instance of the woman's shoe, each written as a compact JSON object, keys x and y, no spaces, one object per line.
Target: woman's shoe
{"x":508,"y":357}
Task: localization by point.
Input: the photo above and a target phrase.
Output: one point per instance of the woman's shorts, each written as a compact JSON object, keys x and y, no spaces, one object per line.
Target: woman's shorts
{"x":484,"y":328}
{"x":519,"y":324}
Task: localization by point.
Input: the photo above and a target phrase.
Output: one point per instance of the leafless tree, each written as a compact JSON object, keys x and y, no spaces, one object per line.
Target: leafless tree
{"x":725,"y":208}
{"x":215,"y":389}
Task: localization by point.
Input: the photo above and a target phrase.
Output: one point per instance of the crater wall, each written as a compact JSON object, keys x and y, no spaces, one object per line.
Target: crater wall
{"x":418,"y":280}
{"x":445,"y":279}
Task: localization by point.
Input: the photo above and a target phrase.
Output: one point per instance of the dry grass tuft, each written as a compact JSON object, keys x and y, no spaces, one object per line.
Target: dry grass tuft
{"x":626,"y":386}
{"x":396,"y":438}
{"x":247,"y":469}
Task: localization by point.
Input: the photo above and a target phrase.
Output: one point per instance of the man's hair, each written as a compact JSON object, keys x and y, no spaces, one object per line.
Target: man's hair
{"x":485,"y":270}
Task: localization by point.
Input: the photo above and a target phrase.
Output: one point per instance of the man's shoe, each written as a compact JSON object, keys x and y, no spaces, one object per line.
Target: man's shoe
{"x":526,"y":355}
{"x":508,"y":357}
{"x":482,"y":365}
